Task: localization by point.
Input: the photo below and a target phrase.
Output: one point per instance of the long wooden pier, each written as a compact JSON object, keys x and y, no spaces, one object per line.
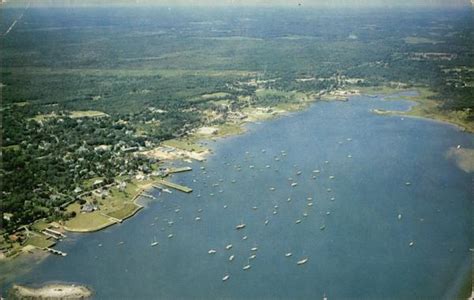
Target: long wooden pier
{"x":179,"y":170}
{"x":175,"y":186}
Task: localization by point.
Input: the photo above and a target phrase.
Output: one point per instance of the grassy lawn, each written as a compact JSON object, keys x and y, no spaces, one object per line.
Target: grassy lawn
{"x":40,"y":241}
{"x":420,"y":40}
{"x":85,"y":221}
{"x":184,"y":144}
{"x":86,"y":114}
{"x":118,"y":204}
{"x":215,"y":95}
{"x":12,"y":147}
{"x":128,"y":209}
{"x":229,"y":129}
{"x":40,"y":225}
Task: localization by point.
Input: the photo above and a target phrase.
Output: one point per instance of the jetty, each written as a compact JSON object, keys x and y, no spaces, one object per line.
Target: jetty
{"x":53,"y":233}
{"x":179,"y":170}
{"x":175,"y":186}
{"x":54,"y":251}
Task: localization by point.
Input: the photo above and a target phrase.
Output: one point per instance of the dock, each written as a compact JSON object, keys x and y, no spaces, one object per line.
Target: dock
{"x":175,"y":186}
{"x":54,"y":251}
{"x":179,"y":170}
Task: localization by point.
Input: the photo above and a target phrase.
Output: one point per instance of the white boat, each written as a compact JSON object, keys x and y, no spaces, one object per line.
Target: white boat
{"x":166,"y":190}
{"x":154,"y":243}
{"x":305,"y":214}
{"x":253,"y":256}
{"x":288,"y":254}
{"x":254,"y":249}
{"x":266,"y":222}
{"x":272,"y":189}
{"x":349,"y":156}
{"x":246,"y":267}
{"x":244,"y":237}
{"x":411,"y":243}
{"x":231,"y":258}
{"x":310,"y":203}
{"x":225,"y":277}
{"x":294,"y":184}
{"x":302,"y":261}
{"x":399,"y":216}
{"x":316,"y":171}
{"x":228,"y":247}
{"x":333,"y":198}
{"x":407,"y":183}
{"x":170,"y":235}
{"x":298,"y":173}
{"x":240,"y":226}
{"x":332,"y":177}
{"x":322,"y":227}
{"x":197,"y":218}
{"x":212,"y":251}
{"x":298,"y":221}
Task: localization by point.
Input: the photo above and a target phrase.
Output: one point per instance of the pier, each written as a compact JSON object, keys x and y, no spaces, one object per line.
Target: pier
{"x":175,"y":186}
{"x":179,"y":170}
{"x":54,"y":251}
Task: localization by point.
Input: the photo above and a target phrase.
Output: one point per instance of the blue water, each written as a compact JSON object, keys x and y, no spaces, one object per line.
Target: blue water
{"x":363,"y":251}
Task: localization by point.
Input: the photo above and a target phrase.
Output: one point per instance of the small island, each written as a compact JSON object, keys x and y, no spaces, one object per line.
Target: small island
{"x":51,"y":291}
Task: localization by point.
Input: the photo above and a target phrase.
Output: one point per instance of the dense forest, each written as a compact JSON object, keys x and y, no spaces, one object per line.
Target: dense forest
{"x":148,"y":71}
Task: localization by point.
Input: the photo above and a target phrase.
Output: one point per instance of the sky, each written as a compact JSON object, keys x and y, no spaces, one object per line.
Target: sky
{"x":308,"y":3}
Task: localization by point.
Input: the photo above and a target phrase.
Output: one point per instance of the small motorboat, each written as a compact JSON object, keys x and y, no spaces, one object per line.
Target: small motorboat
{"x":302,"y":261}
{"x":240,"y":226}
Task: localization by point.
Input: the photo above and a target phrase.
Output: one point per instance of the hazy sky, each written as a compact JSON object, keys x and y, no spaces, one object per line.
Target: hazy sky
{"x":357,"y":3}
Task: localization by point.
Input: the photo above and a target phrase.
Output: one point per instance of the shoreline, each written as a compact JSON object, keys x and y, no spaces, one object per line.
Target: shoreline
{"x":424,"y":108}
{"x":193,"y":146}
